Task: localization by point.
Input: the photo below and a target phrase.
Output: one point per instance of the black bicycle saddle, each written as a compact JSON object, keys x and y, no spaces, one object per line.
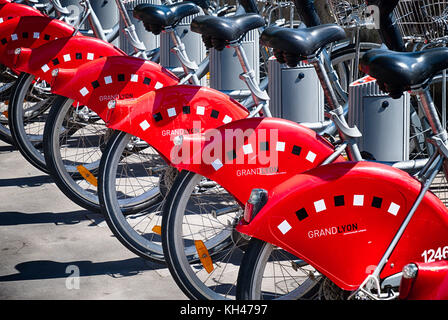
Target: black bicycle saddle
{"x":397,"y":72}
{"x":294,"y":45}
{"x":155,"y":18}
{"x":218,"y":31}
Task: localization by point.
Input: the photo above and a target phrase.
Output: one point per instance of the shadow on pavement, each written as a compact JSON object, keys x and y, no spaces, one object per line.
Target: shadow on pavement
{"x":59,"y":218}
{"x":8,"y":148}
{"x":25,"y":182}
{"x":44,"y":269}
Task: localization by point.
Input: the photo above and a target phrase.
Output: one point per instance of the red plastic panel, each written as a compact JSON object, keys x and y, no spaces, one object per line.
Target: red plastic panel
{"x":431,"y":282}
{"x":11,"y":10}
{"x":29,"y":32}
{"x":159,"y":116}
{"x":97,"y":82}
{"x":341,"y":218}
{"x":256,"y":152}
{"x":67,"y":52}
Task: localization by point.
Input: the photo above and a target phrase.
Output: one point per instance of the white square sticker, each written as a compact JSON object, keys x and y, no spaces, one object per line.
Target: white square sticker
{"x":45,"y":68}
{"x":280,"y":146}
{"x":84,"y":91}
{"x":311,"y":156}
{"x":144,"y":125}
{"x":358,"y":200}
{"x":393,"y":208}
{"x":200,"y":110}
{"x":158,"y":85}
{"x":171,"y":112}
{"x":284,"y":227}
{"x":217,"y":164}
{"x":247,"y":149}
{"x":320,"y":205}
{"x":108,"y":79}
{"x":227,"y":119}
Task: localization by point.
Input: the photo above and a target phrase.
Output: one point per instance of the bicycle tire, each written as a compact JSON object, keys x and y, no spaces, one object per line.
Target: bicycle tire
{"x":29,"y":145}
{"x":118,"y":216}
{"x":71,"y":160}
{"x":7,"y":82}
{"x":182,"y":255}
{"x":251,"y":284}
{"x":345,"y":53}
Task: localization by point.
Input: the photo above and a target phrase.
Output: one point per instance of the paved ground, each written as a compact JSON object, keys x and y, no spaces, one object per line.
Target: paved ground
{"x":46,"y":240}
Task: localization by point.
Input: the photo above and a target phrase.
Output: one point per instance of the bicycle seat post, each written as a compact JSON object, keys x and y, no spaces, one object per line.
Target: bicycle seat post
{"x":129,"y":28}
{"x":259,"y":96}
{"x":59,"y":9}
{"x":85,"y":15}
{"x":219,"y":32}
{"x":337,"y":112}
{"x":440,"y":136}
{"x":427,"y":105}
{"x":179,"y":50}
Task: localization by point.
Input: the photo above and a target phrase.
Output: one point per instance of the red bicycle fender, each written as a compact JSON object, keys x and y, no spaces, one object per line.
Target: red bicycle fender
{"x":431,"y":282}
{"x":159,"y":116}
{"x":97,"y":82}
{"x":340,"y":218}
{"x":256,"y":152}
{"x":10,"y":10}
{"x":29,"y":32}
{"x":68,"y":52}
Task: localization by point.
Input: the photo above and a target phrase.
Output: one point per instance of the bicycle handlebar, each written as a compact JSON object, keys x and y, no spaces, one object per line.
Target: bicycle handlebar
{"x":307,"y":12}
{"x":250,"y":6}
{"x":389,"y":32}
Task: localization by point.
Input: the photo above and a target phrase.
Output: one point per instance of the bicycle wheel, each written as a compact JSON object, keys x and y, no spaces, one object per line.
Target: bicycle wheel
{"x":28,"y":109}
{"x":74,"y":137}
{"x":7,"y":81}
{"x":131,"y":182}
{"x":201,"y":247}
{"x":268,"y":273}
{"x":342,"y":57}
